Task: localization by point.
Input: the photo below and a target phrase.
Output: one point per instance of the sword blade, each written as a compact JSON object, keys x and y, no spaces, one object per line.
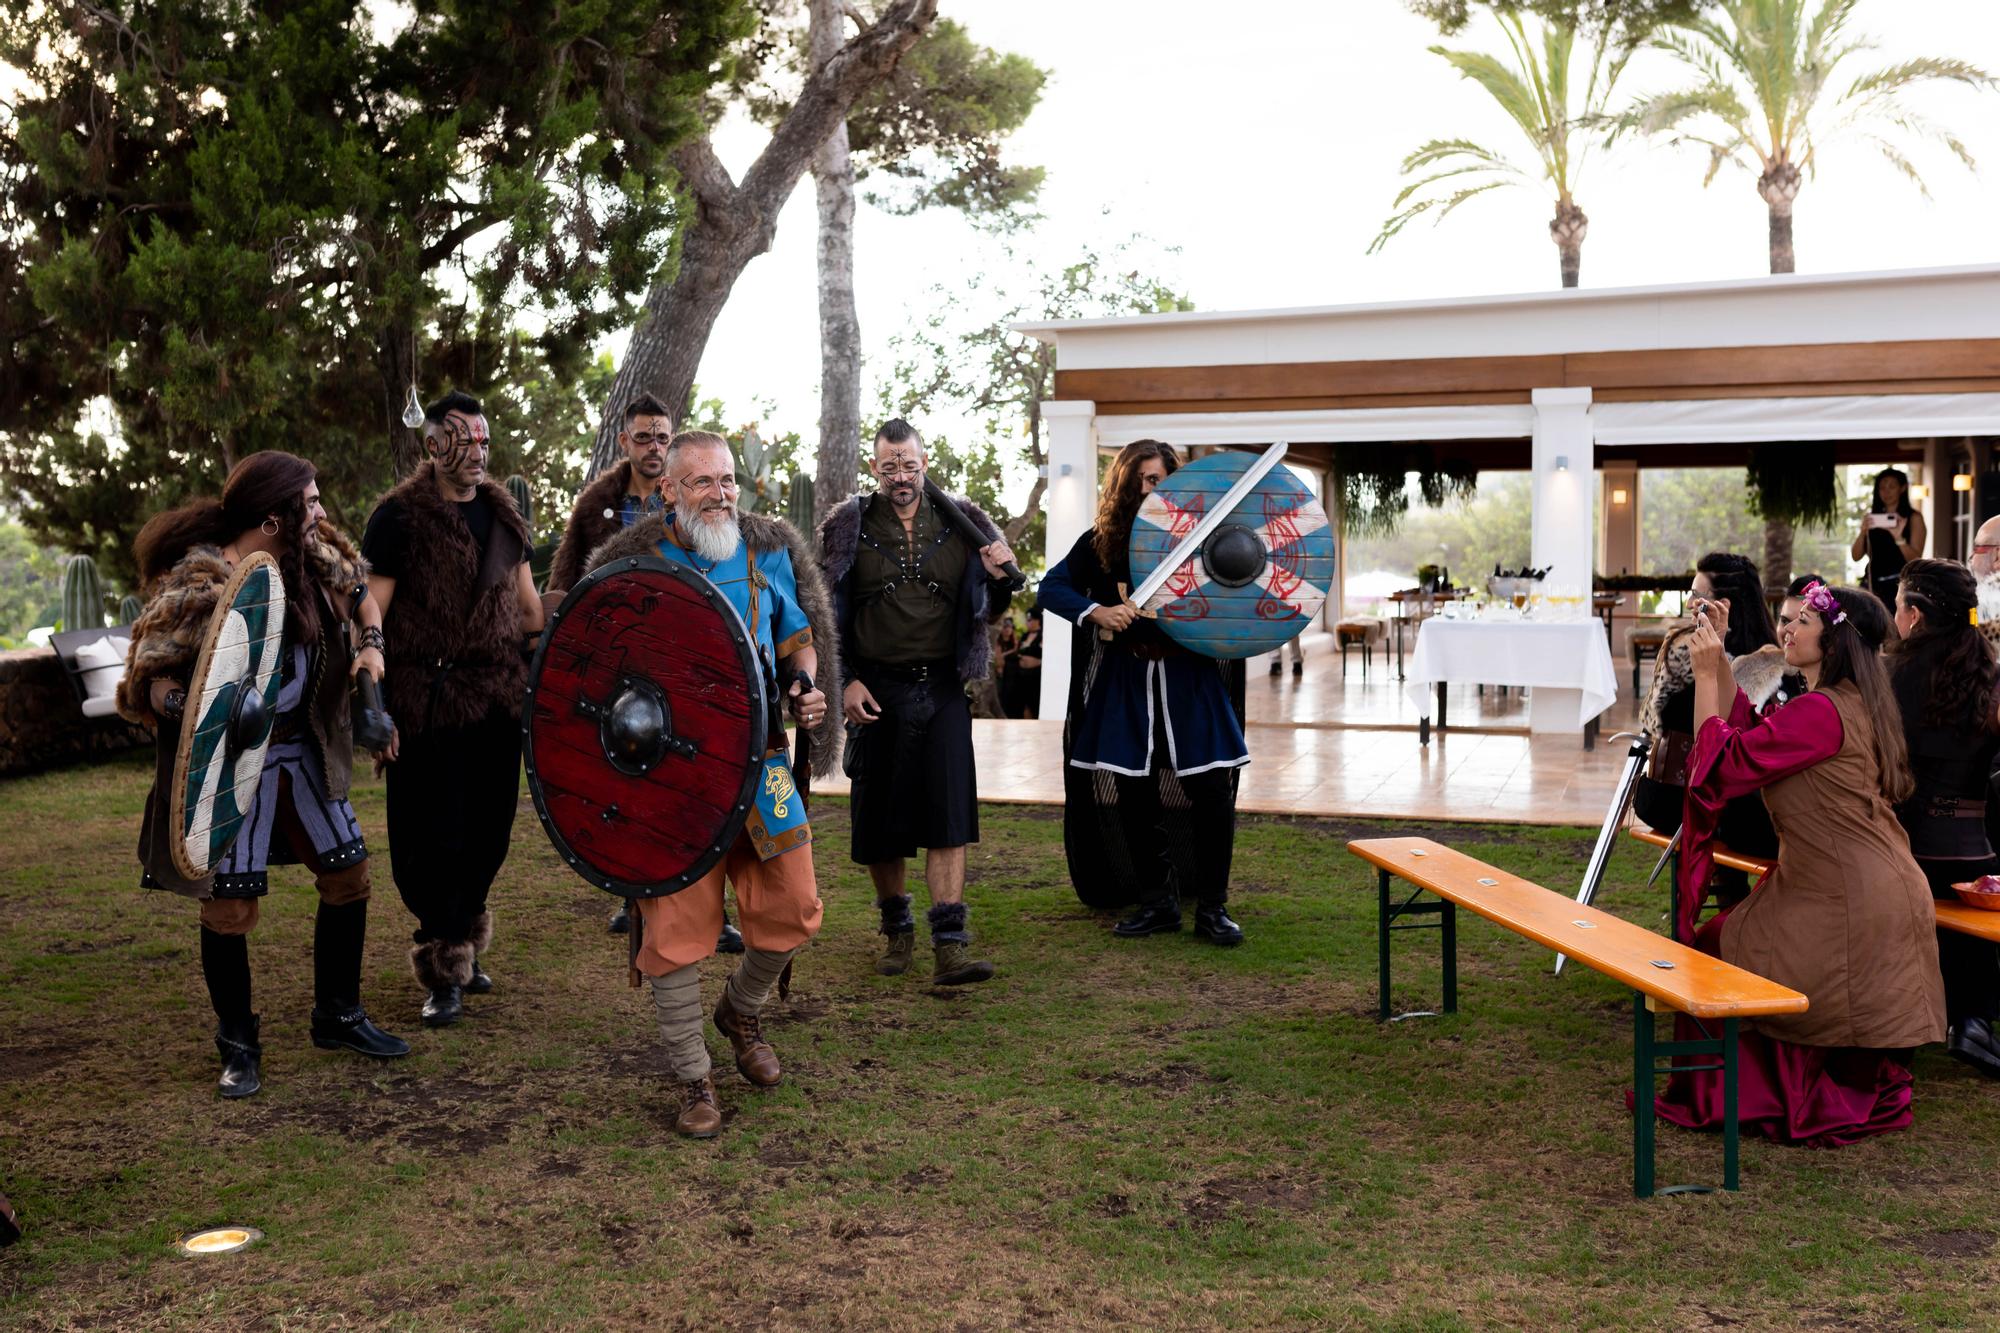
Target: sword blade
{"x":1190,"y":545}
{"x":1665,"y":856}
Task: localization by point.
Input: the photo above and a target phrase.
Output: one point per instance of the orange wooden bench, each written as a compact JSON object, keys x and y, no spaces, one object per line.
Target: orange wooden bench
{"x":1963,"y":918}
{"x":1661,"y":973}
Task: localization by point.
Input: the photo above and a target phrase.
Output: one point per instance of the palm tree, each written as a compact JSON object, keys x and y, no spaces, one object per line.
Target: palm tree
{"x":1535,"y":91}
{"x":1763,"y":101}
{"x":1765,"y":68}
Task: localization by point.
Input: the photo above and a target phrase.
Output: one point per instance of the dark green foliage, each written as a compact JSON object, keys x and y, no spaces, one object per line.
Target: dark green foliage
{"x":1793,"y":483}
{"x":249,"y":225}
{"x":130,"y":608}
{"x":1373,"y":483}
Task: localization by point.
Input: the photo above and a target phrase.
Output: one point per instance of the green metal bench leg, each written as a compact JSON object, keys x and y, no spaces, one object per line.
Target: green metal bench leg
{"x":1646,"y":1051}
{"x":1729,"y":1127}
{"x":1387,"y":910}
{"x":1382,"y":941}
{"x":1450,"y":942}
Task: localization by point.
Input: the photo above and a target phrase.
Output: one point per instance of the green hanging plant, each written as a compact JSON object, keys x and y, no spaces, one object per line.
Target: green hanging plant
{"x":1794,"y":483}
{"x":1373,"y":483}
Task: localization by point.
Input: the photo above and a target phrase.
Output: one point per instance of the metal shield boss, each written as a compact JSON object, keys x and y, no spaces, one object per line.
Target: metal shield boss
{"x":1259,"y":578}
{"x":645,"y":727}
{"x":232,"y":700}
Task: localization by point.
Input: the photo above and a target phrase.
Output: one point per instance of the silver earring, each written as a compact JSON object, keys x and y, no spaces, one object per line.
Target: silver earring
{"x":269,"y":527}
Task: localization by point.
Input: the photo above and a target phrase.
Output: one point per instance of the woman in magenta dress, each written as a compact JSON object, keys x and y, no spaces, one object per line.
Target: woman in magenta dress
{"x":1845,"y":916}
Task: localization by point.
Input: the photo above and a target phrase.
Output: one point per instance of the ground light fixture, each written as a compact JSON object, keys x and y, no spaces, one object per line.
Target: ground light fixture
{"x":218,"y":1240}
{"x":1961,"y":481}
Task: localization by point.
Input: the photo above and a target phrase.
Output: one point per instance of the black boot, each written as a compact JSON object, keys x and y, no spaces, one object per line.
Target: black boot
{"x":481,"y":984}
{"x":338,"y":1020}
{"x":1212,"y":923}
{"x":242,"y":1053}
{"x":730,"y":940}
{"x":1160,"y":916}
{"x":225,"y":966}
{"x":443,"y":1006}
{"x":621,"y":922}
{"x":1971,"y":1040}
{"x":443,"y":967}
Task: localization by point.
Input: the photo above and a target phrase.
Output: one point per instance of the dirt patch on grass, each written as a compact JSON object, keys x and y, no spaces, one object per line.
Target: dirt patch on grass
{"x":1964,"y":1244}
{"x":1238,"y":1196}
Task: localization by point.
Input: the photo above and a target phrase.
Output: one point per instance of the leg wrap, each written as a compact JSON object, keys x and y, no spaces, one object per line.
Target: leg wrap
{"x":482,"y":932}
{"x":441,"y":963}
{"x":948,"y":924}
{"x":750,"y":984}
{"x":896,"y":918}
{"x":339,"y":888}
{"x":677,"y":1002}
{"x":229,"y":916}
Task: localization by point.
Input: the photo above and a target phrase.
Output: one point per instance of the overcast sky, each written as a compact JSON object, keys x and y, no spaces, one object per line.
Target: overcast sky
{"x":1264,"y":141}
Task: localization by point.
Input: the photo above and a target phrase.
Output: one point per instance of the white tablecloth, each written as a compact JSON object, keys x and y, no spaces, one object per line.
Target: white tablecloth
{"x":1568,"y":655}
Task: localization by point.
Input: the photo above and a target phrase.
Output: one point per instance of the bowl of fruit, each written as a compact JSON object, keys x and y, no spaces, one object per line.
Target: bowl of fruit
{"x":1982,"y":892}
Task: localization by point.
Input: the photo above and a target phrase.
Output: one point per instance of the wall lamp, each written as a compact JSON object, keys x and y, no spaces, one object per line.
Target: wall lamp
{"x":1562,"y":462}
{"x":1920,"y":491}
{"x":1619,"y":495}
{"x":1961,"y":481}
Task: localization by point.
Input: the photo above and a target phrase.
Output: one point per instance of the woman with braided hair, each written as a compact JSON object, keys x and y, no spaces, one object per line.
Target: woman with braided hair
{"x":1947,"y":684}
{"x":1845,"y":915}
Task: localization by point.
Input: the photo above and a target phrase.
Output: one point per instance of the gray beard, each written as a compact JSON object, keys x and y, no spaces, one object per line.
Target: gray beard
{"x":713,"y":542}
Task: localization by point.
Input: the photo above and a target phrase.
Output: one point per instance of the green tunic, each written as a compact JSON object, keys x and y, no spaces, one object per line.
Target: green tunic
{"x":906,"y":603}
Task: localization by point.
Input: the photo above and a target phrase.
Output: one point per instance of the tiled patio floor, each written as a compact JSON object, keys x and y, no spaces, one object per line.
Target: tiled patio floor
{"x":1321,"y":747}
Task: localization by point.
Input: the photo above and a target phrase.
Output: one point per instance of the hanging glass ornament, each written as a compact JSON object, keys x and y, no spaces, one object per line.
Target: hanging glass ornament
{"x":413,"y":410}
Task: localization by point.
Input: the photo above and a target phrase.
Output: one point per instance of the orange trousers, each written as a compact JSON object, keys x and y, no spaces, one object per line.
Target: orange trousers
{"x":777,"y":908}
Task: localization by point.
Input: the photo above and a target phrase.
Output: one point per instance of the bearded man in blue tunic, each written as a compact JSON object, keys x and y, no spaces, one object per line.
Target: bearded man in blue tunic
{"x":763,"y":567}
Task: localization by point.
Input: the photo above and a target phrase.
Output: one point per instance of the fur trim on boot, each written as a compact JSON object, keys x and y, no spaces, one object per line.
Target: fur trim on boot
{"x":947,"y":921}
{"x":482,"y":932}
{"x":441,"y":963}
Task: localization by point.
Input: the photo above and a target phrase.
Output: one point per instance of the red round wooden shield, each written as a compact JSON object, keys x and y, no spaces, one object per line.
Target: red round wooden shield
{"x":645,"y":723}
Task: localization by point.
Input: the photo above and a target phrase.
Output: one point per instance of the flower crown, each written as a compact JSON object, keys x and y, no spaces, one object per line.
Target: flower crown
{"x":1820,"y":599}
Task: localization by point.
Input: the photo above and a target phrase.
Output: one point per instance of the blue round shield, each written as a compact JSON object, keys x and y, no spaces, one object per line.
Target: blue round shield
{"x":1257,"y":580}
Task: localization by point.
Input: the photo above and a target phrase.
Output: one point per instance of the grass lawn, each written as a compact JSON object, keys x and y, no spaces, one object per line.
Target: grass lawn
{"x":1153,"y":1133}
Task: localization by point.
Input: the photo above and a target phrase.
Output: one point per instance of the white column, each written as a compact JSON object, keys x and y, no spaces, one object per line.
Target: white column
{"x":1071,"y":502}
{"x":1564,"y":485}
{"x":1564,"y":541}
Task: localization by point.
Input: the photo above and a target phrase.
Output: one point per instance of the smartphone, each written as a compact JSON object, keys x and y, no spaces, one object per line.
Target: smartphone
{"x":1881,"y":520}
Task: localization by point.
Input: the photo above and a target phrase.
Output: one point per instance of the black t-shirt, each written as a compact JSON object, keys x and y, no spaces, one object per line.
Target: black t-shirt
{"x":386,"y":543}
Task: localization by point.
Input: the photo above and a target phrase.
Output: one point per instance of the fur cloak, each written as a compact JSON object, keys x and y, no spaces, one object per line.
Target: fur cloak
{"x":593,"y":522}
{"x":762,"y":533}
{"x":981,"y":601}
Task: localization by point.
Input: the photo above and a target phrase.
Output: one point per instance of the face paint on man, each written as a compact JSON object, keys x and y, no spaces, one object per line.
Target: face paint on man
{"x":459,"y":443}
{"x":899,"y":470}
{"x":645,"y":439}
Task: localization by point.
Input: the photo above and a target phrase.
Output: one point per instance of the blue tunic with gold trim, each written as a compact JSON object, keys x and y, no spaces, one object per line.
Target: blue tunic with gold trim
{"x":765,"y":592}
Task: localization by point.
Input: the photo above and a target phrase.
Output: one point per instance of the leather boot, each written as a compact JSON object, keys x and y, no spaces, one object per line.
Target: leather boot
{"x":755,"y":1059}
{"x":951,"y":948}
{"x":443,"y":1006}
{"x":621,"y":922}
{"x":241,"y":1052}
{"x":699,"y":1118}
{"x":1153,"y":918}
{"x":349,"y":1029}
{"x":481,"y":984}
{"x":1212,"y":923}
{"x":730,"y":940}
{"x":1971,"y":1040}
{"x":900,"y":929}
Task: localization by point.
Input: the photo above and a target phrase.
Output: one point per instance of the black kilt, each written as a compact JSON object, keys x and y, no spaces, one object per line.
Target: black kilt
{"x":914,"y":783}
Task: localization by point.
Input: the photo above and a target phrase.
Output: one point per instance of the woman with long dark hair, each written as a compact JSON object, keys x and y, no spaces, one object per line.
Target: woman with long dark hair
{"x":1151,"y":728}
{"x":1947,"y":685}
{"x":300,"y":811}
{"x":1891,"y":535}
{"x":1844,"y":916}
{"x":1727,"y":587}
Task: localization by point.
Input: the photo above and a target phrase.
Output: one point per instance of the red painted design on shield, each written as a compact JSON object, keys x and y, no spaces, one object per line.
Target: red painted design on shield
{"x":1183,"y":586}
{"x":633,"y":828}
{"x":1282,"y":546}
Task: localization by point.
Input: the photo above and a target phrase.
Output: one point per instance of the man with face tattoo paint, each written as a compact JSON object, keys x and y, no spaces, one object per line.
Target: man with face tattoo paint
{"x":621,"y":496}
{"x":915,"y":603}
{"x":449,"y":567}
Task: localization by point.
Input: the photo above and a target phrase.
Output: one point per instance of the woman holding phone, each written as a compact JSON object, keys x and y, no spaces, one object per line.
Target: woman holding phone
{"x":1892,"y":534}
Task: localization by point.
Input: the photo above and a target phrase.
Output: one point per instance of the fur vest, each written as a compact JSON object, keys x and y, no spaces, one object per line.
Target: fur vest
{"x":453,"y":629}
{"x":981,"y":601}
{"x":762,"y":533}
{"x":1759,"y":675}
{"x":592,"y":523}
{"x":166,"y":640}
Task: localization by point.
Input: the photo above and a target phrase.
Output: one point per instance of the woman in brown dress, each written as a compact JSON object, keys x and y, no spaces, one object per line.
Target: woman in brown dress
{"x":1845,"y":915}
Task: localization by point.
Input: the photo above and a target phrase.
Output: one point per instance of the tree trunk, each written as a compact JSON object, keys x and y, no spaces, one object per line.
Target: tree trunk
{"x":1778,"y":534}
{"x":733,"y":224}
{"x":1567,"y":229}
{"x":1779,"y":187}
{"x":395,"y":355}
{"x":839,"y":324}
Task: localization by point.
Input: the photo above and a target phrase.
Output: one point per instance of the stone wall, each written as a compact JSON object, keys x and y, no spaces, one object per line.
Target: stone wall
{"x":41,"y":723}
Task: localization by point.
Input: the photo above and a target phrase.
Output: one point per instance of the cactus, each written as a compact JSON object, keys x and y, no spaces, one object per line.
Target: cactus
{"x":799,"y":502}
{"x":82,"y":594}
{"x":524,"y":498}
{"x":130,"y":608}
{"x":754,"y":485}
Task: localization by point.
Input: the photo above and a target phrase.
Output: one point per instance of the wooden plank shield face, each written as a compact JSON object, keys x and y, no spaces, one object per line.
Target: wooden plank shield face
{"x":226,"y":725}
{"x":645,"y":727}
{"x":1257,"y":581}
